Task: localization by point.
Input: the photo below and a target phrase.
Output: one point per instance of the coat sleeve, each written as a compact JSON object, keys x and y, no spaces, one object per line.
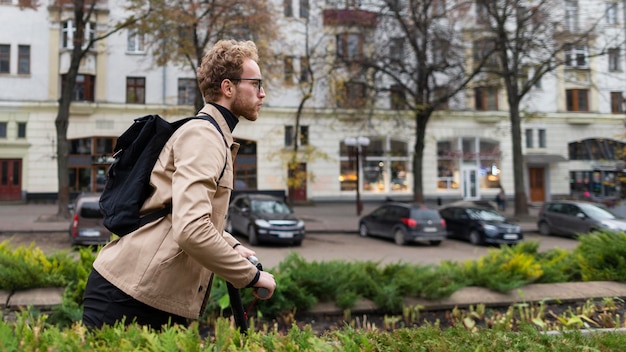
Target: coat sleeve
{"x":199,"y":157}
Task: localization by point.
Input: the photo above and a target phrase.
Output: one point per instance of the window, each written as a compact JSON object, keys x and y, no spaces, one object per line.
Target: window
{"x":288,"y":69}
{"x":577,"y":99}
{"x":287,"y":8}
{"x":135,"y":42}
{"x":135,"y":90}
{"x":458,"y":153}
{"x":482,"y":15}
{"x":3,"y":130}
{"x":304,"y":8}
{"x":349,"y":47}
{"x":304,"y":69}
{"x":571,"y":15}
{"x":23,"y":59}
{"x":529,"y":138}
{"x":383,"y":166}
{"x":542,"y":138}
{"x":438,"y":7}
{"x":5,"y":58}
{"x":483,"y":52}
{"x":353,"y":96}
{"x":69,"y":29}
{"x":398,"y":98}
{"x":614,"y":59}
{"x":21,"y":130}
{"x":303,"y":136}
{"x":84,"y":87}
{"x":186,"y":91}
{"x":617,"y":102}
{"x":611,"y":13}
{"x":396,"y":49}
{"x":486,"y":98}
{"x":576,"y":56}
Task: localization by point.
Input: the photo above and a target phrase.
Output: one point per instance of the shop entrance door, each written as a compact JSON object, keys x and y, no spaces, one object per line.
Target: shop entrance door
{"x":536,"y":181}
{"x":10,"y":179}
{"x":470,"y":184}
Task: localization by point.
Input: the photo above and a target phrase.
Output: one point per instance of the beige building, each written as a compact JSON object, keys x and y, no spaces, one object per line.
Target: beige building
{"x":573,"y":126}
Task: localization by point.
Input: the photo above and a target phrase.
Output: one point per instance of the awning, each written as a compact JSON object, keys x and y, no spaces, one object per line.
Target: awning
{"x":543,"y":158}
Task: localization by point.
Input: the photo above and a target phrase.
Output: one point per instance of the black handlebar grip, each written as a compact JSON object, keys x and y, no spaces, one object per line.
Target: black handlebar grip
{"x":262,"y":292}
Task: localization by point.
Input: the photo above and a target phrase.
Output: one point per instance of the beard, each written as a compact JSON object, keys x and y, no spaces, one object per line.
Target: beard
{"x":246,"y":109}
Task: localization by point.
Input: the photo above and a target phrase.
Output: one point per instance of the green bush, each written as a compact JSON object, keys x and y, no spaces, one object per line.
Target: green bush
{"x":302,"y":284}
{"x":602,"y":256}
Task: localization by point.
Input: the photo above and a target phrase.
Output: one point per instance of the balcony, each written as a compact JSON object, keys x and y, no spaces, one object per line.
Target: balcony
{"x":349,"y":17}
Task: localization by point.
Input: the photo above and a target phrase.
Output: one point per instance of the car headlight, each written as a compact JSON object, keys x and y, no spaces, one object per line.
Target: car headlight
{"x":262,"y":223}
{"x":490,"y":230}
{"x":300,"y":224}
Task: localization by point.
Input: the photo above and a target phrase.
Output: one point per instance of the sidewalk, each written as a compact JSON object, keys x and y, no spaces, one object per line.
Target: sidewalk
{"x":320,"y":218}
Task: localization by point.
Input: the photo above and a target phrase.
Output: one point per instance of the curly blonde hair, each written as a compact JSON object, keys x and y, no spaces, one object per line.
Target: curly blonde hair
{"x":224,"y":60}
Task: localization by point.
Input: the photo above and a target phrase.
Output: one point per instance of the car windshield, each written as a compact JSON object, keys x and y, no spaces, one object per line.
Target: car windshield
{"x":426,"y":214}
{"x":270,"y":207}
{"x":91,"y":210}
{"x":485,"y":214}
{"x":597,"y":213}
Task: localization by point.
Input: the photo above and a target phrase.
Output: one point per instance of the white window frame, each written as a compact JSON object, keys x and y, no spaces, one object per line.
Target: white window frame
{"x":571,"y":15}
{"x":69,"y":29}
{"x":611,"y":13}
{"x":614,"y":57}
{"x":573,"y":53}
{"x":135,"y":42}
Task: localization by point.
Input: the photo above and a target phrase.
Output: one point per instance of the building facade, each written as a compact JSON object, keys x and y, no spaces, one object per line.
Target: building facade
{"x":573,"y":126}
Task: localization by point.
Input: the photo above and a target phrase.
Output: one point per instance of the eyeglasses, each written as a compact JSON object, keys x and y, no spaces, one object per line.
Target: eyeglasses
{"x":259,"y":82}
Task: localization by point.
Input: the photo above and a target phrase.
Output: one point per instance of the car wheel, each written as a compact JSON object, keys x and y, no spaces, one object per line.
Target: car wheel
{"x":229,"y":225}
{"x":363,"y":231}
{"x":475,"y":238}
{"x":398,"y":236}
{"x":298,"y":243}
{"x":435,"y":242}
{"x":253,"y":239}
{"x":544,"y":229}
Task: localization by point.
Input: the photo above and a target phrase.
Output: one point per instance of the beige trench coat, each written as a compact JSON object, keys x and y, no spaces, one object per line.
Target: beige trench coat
{"x":169,"y":264}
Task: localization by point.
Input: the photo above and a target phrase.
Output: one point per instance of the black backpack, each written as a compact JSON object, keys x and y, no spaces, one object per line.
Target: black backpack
{"x":128,"y":178}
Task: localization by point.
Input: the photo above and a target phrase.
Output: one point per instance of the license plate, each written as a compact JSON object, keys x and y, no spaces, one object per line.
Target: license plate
{"x":430,"y":229}
{"x":510,"y":236}
{"x":285,"y":235}
{"x":90,"y":233}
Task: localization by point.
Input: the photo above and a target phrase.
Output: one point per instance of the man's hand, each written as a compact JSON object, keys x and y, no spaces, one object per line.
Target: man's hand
{"x":266,"y":281}
{"x":245,"y":251}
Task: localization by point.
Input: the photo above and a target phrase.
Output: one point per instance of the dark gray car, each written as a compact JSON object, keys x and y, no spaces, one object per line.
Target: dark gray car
{"x":86,"y":227}
{"x":264,"y":218}
{"x":572,"y":218}
{"x":404,"y":222}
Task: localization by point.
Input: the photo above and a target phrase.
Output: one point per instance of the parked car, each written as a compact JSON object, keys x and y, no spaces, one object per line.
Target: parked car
{"x":404,"y":222}
{"x":86,"y":227}
{"x":480,"y":225}
{"x":572,"y":218}
{"x":264,"y":218}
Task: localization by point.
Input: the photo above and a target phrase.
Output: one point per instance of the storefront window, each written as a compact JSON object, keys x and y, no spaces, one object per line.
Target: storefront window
{"x":482,"y":155}
{"x":383,"y":168}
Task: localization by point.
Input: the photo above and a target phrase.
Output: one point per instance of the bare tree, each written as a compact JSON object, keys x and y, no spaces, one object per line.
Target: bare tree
{"x":529,"y":40}
{"x":421,"y":55}
{"x":84,"y":12}
{"x":180,"y":32}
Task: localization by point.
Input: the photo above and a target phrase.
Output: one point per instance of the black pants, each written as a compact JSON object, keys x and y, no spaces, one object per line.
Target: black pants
{"x":106,"y":304}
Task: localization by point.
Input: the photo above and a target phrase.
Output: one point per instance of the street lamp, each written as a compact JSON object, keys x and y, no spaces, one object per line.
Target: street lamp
{"x":357,"y":143}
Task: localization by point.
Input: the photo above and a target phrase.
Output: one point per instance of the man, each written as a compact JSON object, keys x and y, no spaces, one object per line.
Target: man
{"x":162,"y":273}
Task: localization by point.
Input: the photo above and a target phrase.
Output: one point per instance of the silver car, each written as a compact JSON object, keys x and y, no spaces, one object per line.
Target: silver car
{"x":572,"y":218}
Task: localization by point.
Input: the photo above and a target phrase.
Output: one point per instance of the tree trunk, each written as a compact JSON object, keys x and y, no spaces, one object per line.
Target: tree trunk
{"x":421,"y":120}
{"x":521,"y":203}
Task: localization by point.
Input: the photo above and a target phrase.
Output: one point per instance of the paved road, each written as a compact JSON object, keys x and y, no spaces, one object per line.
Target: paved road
{"x":351,"y":247}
